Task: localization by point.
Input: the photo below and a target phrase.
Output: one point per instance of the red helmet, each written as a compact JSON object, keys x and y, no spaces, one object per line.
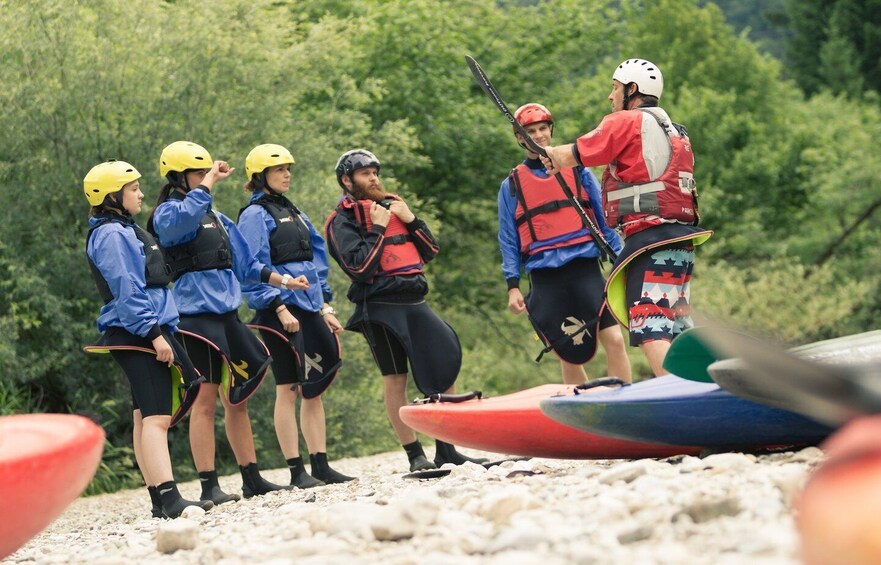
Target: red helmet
{"x":532,"y":113}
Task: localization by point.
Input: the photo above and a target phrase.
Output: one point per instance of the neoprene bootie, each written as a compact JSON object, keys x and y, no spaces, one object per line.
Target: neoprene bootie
{"x":321,"y":470}
{"x":173,"y":503}
{"x":446,"y":453}
{"x":418,"y":460}
{"x":156,"y":502}
{"x":211,"y":489}
{"x":299,"y":477}
{"x":253,"y":484}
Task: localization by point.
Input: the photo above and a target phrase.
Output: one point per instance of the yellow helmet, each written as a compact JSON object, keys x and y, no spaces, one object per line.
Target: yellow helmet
{"x":107,"y":178}
{"x":266,"y":155}
{"x":184,"y":155}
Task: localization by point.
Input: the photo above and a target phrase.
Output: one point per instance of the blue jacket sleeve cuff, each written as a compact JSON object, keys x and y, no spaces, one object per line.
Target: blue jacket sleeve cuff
{"x":513,"y":283}
{"x":264,"y":275}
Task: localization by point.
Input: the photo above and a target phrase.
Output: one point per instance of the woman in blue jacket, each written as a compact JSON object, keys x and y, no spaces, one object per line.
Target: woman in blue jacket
{"x":138,"y":321}
{"x":208,"y":257}
{"x":298,"y":327}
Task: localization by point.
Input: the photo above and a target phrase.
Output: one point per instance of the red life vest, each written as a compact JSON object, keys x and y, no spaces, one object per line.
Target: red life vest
{"x":670,"y":197}
{"x":543,"y":212}
{"x":399,"y":254}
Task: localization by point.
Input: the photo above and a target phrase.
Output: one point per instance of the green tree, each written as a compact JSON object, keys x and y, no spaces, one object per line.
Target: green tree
{"x":835,"y":45}
{"x":785,"y":180}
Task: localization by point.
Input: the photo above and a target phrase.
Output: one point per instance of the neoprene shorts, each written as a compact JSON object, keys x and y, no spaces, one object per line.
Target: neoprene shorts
{"x":388,"y":352}
{"x":149,"y":379}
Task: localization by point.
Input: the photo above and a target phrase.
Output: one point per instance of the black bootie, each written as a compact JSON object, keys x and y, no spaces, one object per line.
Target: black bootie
{"x":446,"y":453}
{"x":321,"y":470}
{"x":211,"y":489}
{"x":418,"y":460}
{"x":156,"y":502}
{"x":173,"y":503}
{"x":253,"y":484}
{"x":299,"y":477}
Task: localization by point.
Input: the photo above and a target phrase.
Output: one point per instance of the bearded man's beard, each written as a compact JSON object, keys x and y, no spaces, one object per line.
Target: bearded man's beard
{"x":369,"y":191}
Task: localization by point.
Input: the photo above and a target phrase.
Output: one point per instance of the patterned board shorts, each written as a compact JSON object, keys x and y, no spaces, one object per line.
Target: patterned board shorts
{"x":658,"y":290}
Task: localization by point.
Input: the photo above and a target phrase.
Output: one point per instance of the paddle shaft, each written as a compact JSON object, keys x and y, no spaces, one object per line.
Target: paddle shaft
{"x":493,"y":95}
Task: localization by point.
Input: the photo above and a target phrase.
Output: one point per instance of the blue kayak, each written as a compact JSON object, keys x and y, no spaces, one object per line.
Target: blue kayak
{"x":673,"y":410}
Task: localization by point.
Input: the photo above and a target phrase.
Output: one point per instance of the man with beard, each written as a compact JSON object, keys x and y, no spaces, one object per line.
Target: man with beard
{"x":382,"y":246}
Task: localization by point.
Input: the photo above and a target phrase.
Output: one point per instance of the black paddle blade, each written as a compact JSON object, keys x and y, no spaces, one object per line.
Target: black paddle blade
{"x":494,"y":95}
{"x":832,"y":394}
{"x":437,"y":473}
{"x":427,"y":474}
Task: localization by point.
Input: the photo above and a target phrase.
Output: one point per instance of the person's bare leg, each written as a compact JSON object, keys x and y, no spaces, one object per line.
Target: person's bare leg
{"x":202,"y":427}
{"x":238,"y":432}
{"x":154,"y":448}
{"x":573,"y":374}
{"x":616,"y":353}
{"x":312,"y":420}
{"x":285,"y":416}
{"x":395,"y":395}
{"x":655,"y":351}
{"x":136,"y":444}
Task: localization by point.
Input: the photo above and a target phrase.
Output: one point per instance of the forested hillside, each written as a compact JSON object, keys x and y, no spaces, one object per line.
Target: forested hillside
{"x":785,"y":163}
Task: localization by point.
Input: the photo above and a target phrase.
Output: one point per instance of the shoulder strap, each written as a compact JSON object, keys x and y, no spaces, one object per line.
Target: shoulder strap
{"x":518,"y":192}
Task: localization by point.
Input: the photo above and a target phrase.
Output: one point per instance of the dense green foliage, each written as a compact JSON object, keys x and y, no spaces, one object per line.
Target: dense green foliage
{"x":787,"y":181}
{"x":762,"y":20}
{"x":835,"y":44}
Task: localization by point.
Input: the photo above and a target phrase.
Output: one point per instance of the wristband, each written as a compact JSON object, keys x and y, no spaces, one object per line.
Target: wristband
{"x":285,"y":279}
{"x":325,"y":310}
{"x":280,"y":308}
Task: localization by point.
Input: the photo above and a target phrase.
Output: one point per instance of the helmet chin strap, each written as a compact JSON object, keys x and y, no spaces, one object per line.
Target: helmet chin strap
{"x":178,"y":179}
{"x":113,"y":202}
{"x":261,"y":184}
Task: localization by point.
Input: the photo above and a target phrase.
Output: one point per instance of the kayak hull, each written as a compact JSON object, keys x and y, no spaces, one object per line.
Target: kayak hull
{"x":673,"y":410}
{"x":46,"y":461}
{"x":514,"y":424}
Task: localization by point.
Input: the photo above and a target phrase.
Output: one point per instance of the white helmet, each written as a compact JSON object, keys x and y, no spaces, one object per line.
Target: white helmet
{"x":645,"y":74}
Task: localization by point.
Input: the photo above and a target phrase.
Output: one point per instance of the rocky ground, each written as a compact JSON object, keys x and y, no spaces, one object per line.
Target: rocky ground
{"x":727,"y":508}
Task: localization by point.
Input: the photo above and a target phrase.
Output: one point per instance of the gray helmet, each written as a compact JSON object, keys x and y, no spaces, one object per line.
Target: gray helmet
{"x":352,"y":160}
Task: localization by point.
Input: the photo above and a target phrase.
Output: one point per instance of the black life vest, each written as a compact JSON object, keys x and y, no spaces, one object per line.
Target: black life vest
{"x":291,"y":240}
{"x":156,"y":270}
{"x":210,"y":249}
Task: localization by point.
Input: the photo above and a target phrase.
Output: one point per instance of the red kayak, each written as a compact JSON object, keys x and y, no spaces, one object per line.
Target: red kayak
{"x":514,"y":424}
{"x":46,"y":461}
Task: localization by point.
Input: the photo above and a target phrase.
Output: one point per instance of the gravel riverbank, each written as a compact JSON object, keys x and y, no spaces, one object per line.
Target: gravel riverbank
{"x":727,"y":508}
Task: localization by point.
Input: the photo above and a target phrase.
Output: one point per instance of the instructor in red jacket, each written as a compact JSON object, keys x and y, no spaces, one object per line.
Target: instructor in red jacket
{"x":649,"y":195}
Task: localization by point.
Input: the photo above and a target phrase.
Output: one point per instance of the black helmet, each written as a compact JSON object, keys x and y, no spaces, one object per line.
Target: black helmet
{"x":352,"y":160}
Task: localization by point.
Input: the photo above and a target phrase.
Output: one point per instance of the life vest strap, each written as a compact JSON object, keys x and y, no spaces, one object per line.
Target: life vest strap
{"x":634,"y":190}
{"x":547,"y":207}
{"x":398,"y":239}
{"x":203,"y":258}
